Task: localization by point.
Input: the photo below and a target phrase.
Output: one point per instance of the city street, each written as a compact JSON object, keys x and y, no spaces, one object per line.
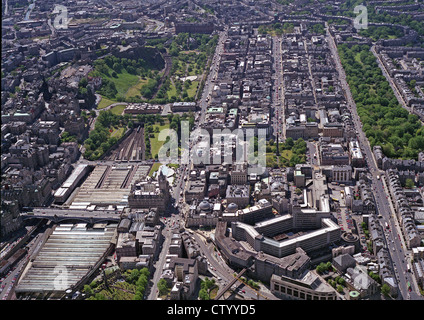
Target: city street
{"x":380,"y":195}
{"x":278,"y":98}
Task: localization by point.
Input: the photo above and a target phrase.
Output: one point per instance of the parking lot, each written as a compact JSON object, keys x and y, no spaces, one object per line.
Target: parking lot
{"x":343,"y":214}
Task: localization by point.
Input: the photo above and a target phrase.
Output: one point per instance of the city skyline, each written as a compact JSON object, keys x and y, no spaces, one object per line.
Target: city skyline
{"x":212,"y":150}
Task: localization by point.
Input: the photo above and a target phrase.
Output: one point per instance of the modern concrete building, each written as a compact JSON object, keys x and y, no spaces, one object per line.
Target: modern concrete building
{"x":293,"y":265}
{"x":262,"y":210}
{"x":309,"y":241}
{"x":310,"y":287}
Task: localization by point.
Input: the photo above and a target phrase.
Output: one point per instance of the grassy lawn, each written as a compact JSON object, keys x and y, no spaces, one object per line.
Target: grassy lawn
{"x":124,"y":81}
{"x":118,"y":109}
{"x":191,"y":91}
{"x":118,"y":132}
{"x":154,"y":168}
{"x":213,"y":292}
{"x":104,"y":102}
{"x":358,"y":58}
{"x":135,"y":89}
{"x":172,"y":91}
{"x":271,"y":159}
{"x":155,"y":143}
{"x":194,"y":72}
{"x":286,"y":154}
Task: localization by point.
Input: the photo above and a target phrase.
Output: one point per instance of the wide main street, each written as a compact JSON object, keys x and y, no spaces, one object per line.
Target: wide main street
{"x":397,"y":251}
{"x":278,"y":99}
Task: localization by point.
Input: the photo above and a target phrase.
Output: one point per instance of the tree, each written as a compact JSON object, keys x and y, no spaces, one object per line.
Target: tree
{"x":134,"y":275}
{"x":203,"y":294}
{"x":289,"y":143}
{"x":294,"y":160}
{"x":321,"y":268}
{"x":93,"y":284}
{"x":409,"y":183}
{"x":99,"y":296}
{"x":88,"y":290}
{"x":375,"y":276}
{"x":138,"y":296}
{"x":206,"y":286}
{"x":83,"y":82}
{"x":117,"y":67}
{"x":341,"y":281}
{"x":385,"y":290}
{"x":163,"y":287}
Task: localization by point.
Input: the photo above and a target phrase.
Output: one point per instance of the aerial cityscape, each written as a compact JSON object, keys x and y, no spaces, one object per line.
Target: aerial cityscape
{"x":232,"y":150}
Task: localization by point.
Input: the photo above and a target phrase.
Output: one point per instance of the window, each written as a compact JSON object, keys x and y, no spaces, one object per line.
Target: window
{"x":296,"y":293}
{"x":308,"y":297}
{"x":302,"y":295}
{"x":277,"y":287}
{"x":289,"y":291}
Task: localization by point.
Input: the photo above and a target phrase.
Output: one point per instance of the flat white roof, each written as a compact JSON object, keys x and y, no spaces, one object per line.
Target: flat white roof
{"x":74,"y":175}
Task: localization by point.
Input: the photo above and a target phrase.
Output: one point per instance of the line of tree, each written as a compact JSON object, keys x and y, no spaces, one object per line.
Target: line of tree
{"x":381,"y":32}
{"x":385,"y":121}
{"x":139,"y":277}
{"x":322,"y":267}
{"x":163,"y":287}
{"x":346,"y":9}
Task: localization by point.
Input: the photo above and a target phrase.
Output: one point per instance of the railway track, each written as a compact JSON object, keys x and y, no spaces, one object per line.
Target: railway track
{"x":132,"y":148}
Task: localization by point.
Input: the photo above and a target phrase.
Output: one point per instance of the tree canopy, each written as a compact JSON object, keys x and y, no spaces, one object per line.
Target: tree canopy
{"x":385,"y":121}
